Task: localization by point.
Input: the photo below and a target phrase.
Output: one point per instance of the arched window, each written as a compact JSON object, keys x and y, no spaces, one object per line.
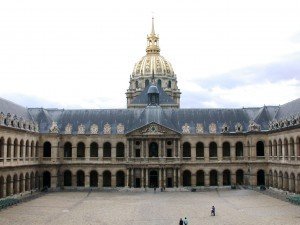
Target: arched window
{"x":67,"y":178}
{"x":186,"y":178}
{"x":286,"y":148}
{"x":292,"y":148}
{"x":32,"y":149}
{"x":46,"y":149}
{"x":200,"y":150}
{"x":146,"y":82}
{"x":275,"y":148}
{"x":226,"y":149}
{"x":106,"y":178}
{"x":22,"y":149}
{"x":16,"y":148}
{"x":120,"y":150}
{"x":270,"y":149}
{"x":260,"y":149}
{"x":27,"y":149}
{"x":68,"y":150}
{"x":80,"y":178}
{"x":107,"y":150}
{"x":159,"y":83}
{"x":213,"y":150}
{"x":169,"y":84}
{"x":2,"y":147}
{"x":93,"y":178}
{"x":239,"y":149}
{"x":80,"y":150}
{"x":94,"y":149}
{"x":9,"y":144}
{"x":186,"y":152}
{"x":280,"y":148}
{"x":153,"y":149}
{"x":37,"y":149}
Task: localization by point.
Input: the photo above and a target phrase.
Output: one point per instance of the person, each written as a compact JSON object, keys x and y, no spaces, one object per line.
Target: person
{"x":185,"y":221}
{"x":213,"y":211}
{"x":180,"y":221}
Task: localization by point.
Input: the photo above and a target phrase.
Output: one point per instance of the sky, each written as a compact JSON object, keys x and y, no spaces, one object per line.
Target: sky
{"x":80,"y":54}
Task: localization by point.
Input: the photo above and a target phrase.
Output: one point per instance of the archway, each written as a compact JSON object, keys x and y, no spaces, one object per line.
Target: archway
{"x":270,"y":178}
{"x":80,"y":178}
{"x":153,"y":149}
{"x":260,"y":177}
{"x":21,"y":184}
{"x":68,"y":150}
{"x":31,"y":181}
{"x":200,"y":178}
{"x":106,"y":178}
{"x":15,"y":184}
{"x":153,"y":178}
{"x":280,"y":180}
{"x":260,"y":149}
{"x":213,"y":178}
{"x":8,"y":185}
{"x":239,"y":177}
{"x":27,"y":182}
{"x":93,"y":178}
{"x":1,"y":187}
{"x":186,"y":178}
{"x":67,"y":178}
{"x":46,"y":149}
{"x":275,"y":181}
{"x":120,"y":176}
{"x":286,"y":181}
{"x":46,"y":179}
{"x":226,"y":178}
{"x":293,"y":184}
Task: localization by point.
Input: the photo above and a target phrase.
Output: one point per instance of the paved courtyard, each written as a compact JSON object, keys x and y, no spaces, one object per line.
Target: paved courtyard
{"x":107,"y":208}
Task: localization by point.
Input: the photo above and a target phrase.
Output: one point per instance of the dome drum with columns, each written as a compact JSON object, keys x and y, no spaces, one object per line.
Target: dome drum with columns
{"x":153,"y":68}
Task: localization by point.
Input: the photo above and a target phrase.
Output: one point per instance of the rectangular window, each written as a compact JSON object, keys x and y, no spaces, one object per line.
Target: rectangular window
{"x":137,"y":153}
{"x":169,"y":152}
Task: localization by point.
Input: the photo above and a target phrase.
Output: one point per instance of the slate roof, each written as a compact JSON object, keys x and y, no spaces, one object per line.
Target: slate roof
{"x":171,"y":118}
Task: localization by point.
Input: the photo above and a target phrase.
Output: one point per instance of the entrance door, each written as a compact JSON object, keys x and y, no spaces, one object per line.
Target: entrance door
{"x":169,"y":182}
{"x":137,"y":182}
{"x":153,"y":178}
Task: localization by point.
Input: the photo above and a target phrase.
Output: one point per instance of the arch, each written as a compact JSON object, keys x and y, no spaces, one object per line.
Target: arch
{"x":22,"y":148}
{"x":27,"y":182}
{"x":226,"y":149}
{"x":67,"y":178}
{"x":186,"y":151}
{"x":93,"y":178}
{"x":226,"y":177}
{"x":15,"y":184}
{"x":27,"y":149}
{"x":271,"y":178}
{"x":32,"y":149}
{"x":32,"y":181}
{"x":260,"y":149}
{"x":292,"y":147}
{"x":8,"y":148}
{"x":16,"y":148}
{"x":2,"y":187}
{"x":280,"y":180}
{"x":239,"y":149}
{"x":159,"y":82}
{"x":286,"y":181}
{"x":239,"y":177}
{"x":213,"y":149}
{"x":275,"y":179}
{"x":106,"y":178}
{"x":80,"y":178}
{"x":186,"y":178}
{"x":293,"y":183}
{"x":94,"y":149}
{"x":200,"y":150}
{"x":286,"y":148}
{"x":37,"y":149}
{"x":107,"y":150}
{"x":67,"y":150}
{"x":120,"y":178}
{"x":80,"y":150}
{"x":260,"y":177}
{"x":275,"y":153}
{"x":200,"y":178}
{"x":213,"y":178}
{"x":270,"y":149}
{"x":153,"y":149}
{"x":37,"y":180}
{"x":1,"y":147}
{"x":8,"y":185}
{"x":120,"y":150}
{"x":47,"y":149}
{"x":21,"y":183}
{"x":146,"y":82}
{"x":280,"y":148}
{"x":46,"y":179}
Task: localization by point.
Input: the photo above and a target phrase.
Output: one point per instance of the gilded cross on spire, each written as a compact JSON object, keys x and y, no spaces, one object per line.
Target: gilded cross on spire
{"x":153,"y":31}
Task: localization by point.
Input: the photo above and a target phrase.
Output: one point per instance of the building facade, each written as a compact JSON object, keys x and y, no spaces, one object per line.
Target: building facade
{"x":152,"y":143}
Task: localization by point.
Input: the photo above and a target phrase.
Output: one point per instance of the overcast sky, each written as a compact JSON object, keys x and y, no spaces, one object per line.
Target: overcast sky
{"x":80,"y":54}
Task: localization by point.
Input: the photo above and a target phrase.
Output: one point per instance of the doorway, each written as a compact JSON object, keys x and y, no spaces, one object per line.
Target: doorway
{"x":153,"y":178}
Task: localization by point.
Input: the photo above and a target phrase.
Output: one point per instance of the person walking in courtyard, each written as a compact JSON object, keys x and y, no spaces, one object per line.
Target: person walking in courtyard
{"x":185,"y":221}
{"x":213,"y":211}
{"x":180,"y":221}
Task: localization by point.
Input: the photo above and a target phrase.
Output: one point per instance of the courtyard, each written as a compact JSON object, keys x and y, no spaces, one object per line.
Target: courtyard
{"x":145,"y":208}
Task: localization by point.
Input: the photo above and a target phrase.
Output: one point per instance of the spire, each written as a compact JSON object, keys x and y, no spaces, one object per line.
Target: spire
{"x":152,"y":31}
{"x":152,"y":41}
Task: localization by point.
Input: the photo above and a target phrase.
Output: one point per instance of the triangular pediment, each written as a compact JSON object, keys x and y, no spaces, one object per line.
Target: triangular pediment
{"x":153,"y":129}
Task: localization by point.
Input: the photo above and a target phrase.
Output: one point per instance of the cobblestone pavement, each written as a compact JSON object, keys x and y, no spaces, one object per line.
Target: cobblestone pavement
{"x":117,"y":208}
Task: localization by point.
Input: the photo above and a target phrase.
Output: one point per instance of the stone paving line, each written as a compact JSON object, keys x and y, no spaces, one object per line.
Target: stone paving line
{"x":117,"y":208}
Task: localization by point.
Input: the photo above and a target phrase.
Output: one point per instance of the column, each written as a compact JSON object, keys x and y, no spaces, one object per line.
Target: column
{"x":219,"y":151}
{"x":232,"y":152}
{"x":206,"y":153}
{"x":87,"y":152}
{"x":132,"y":177}
{"x":193,"y":153}
{"x":206,"y":179}
{"x":127,"y":150}
{"x":179,"y":149}
{"x":147,"y":179}
{"x":233,"y":178}
{"x":100,"y":180}
{"x":174,"y":149}
{"x":100,"y":152}
{"x":147,"y":150}
{"x":142,"y":149}
{"x":179,"y":178}
{"x":113,"y":154}
{"x":142,"y":178}
{"x":113,"y":180}
{"x":74,"y":180}
{"x":87,"y":180}
{"x":74,"y":152}
{"x":131,"y":149}
{"x":193,"y":180}
{"x":127,"y":177}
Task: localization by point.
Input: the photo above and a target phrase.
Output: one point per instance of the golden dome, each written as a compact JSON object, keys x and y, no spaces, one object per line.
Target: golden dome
{"x":153,"y":62}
